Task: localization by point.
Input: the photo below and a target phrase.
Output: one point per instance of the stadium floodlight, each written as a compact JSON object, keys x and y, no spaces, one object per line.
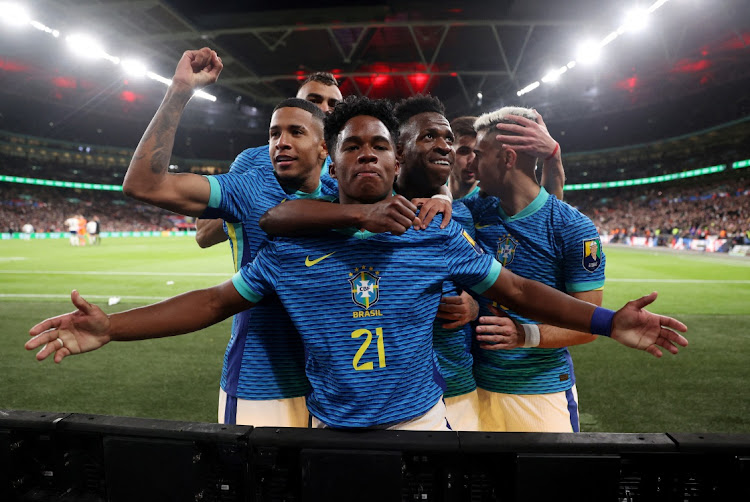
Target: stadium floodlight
{"x":554,"y":75}
{"x":42,"y":27}
{"x":168,"y":82}
{"x":588,"y":52}
{"x":86,"y":47}
{"x":133,"y":67}
{"x":204,"y":95}
{"x":610,"y":38}
{"x":635,"y":20}
{"x":528,"y":89}
{"x":656,"y":5}
{"x":14,"y":14}
{"x":159,"y":78}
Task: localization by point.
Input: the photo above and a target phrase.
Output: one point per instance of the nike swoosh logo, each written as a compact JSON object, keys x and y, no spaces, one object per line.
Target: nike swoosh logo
{"x":310,"y":263}
{"x":478,"y":226}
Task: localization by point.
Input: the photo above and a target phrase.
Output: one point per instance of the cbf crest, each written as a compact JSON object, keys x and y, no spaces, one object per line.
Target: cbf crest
{"x":506,"y":249}
{"x":592,"y":254}
{"x":365,"y":286}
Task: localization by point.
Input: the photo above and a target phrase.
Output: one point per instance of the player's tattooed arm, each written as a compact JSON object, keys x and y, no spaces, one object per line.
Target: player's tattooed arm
{"x":148,"y":178}
{"x":308,"y":217}
{"x":89,"y":328}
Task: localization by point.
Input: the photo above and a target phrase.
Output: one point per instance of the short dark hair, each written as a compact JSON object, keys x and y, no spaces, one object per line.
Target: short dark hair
{"x":353,"y":106}
{"x":323,"y":77}
{"x":408,"y":107}
{"x":464,"y":126}
{"x":304,"y":104}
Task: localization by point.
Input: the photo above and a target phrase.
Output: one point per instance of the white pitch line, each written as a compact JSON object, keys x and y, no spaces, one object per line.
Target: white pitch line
{"x":219,"y":274}
{"x":89,"y":272}
{"x":67,"y":297}
{"x":682,"y":281}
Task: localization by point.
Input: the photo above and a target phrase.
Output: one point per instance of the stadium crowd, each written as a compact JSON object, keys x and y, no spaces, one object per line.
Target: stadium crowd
{"x":690,"y":209}
{"x":47,"y":208}
{"x":716,"y":205}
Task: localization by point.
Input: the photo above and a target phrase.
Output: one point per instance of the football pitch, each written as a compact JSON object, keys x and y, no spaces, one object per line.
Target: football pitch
{"x":702,"y":389}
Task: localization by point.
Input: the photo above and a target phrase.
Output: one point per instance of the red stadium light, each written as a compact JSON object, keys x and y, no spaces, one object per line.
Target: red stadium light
{"x":8,"y":65}
{"x":65,"y":82}
{"x":129,"y":96}
{"x":628,"y":84}
{"x":418,"y":81}
{"x":687,"y":66}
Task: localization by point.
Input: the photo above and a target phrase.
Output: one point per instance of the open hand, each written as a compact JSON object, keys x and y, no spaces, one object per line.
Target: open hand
{"x":81,"y":331}
{"x":639,"y":329}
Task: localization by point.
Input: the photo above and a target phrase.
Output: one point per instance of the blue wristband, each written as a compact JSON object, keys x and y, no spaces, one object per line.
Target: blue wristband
{"x":601,"y":321}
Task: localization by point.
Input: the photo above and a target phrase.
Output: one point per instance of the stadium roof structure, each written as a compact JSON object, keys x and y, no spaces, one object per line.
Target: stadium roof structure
{"x":474,"y":55}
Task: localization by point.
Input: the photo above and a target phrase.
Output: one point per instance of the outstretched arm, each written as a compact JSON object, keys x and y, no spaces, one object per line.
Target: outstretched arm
{"x":307,"y":217}
{"x":89,"y":328}
{"x":500,"y":332}
{"x":147,"y":178}
{"x":534,"y":139}
{"x":209,"y":232}
{"x":631,"y":325}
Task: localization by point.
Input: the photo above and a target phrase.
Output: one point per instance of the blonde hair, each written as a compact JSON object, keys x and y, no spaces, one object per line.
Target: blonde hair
{"x":487,"y":120}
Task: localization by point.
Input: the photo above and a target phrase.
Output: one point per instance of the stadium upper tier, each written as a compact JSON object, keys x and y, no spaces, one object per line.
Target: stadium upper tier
{"x":724,"y":144}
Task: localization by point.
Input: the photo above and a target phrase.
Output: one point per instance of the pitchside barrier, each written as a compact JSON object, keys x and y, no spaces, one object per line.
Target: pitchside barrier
{"x":80,"y":457}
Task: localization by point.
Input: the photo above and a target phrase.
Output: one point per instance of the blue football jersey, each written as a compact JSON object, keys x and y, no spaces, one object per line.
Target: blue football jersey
{"x":365,"y":305}
{"x":551,"y":242}
{"x":264,"y":358}
{"x":251,"y":158}
{"x":453,"y":346}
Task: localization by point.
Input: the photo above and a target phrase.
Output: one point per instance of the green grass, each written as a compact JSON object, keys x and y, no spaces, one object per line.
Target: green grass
{"x":702,"y":389}
{"x":174,"y":378}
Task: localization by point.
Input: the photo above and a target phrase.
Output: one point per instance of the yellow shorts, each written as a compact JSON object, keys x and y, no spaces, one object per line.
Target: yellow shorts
{"x":556,"y":412}
{"x":433,"y":420}
{"x":290,"y":412}
{"x":463,"y":411}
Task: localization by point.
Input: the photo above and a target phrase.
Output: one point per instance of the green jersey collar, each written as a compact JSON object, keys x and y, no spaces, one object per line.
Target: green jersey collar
{"x":532,"y":208}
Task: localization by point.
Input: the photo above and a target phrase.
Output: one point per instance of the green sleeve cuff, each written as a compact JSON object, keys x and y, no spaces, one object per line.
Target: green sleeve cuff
{"x":488,"y":281}
{"x":244,"y":290}
{"x":580,"y":287}
{"x":214,"y":200}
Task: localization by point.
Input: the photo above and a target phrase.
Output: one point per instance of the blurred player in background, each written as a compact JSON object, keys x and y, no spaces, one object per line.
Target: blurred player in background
{"x":93,"y":228}
{"x":72,"y":224}
{"x":463,"y":182}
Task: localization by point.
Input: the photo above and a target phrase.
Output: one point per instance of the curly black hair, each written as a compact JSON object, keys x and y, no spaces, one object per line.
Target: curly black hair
{"x":353,"y":106}
{"x":408,"y":107}
{"x":304,"y":104}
